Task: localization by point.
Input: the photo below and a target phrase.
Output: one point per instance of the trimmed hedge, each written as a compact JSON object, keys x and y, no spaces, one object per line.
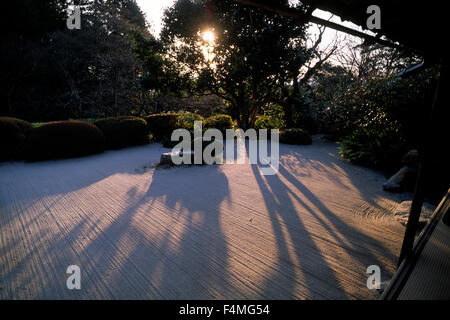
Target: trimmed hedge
{"x":186,"y":120}
{"x":295,"y":136}
{"x":221,"y":122}
{"x":123,"y":131}
{"x":63,"y":139}
{"x":161,"y":125}
{"x":13,"y":134}
{"x":267,"y":122}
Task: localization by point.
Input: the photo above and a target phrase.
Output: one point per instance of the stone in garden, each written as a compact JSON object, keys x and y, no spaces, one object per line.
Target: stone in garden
{"x":411,"y":158}
{"x":166,"y":158}
{"x":397,"y":181}
{"x":405,"y":178}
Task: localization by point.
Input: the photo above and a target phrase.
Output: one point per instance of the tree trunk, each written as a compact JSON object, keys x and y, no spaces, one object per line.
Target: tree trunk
{"x":288,"y":114}
{"x":288,"y":107}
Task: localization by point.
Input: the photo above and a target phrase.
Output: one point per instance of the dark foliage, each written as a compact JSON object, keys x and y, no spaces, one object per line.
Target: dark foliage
{"x":50,"y":72}
{"x":221,"y":122}
{"x":295,"y":136}
{"x":185,"y":120}
{"x":377,"y":121}
{"x":161,"y":125}
{"x":123,"y":131}
{"x":379,"y":148}
{"x":268,"y":122}
{"x":394,"y":104}
{"x":63,"y":139}
{"x":13,"y":133}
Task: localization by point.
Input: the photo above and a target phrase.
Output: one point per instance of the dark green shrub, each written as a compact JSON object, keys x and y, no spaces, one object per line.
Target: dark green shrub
{"x":268,"y":122}
{"x":63,"y":139}
{"x":295,"y":136}
{"x":161,"y":125}
{"x":13,"y":133}
{"x":221,"y":122}
{"x":186,"y":120}
{"x":379,"y":148}
{"x":123,"y":131}
{"x":38,"y":124}
{"x":385,"y":102}
{"x":168,"y":143}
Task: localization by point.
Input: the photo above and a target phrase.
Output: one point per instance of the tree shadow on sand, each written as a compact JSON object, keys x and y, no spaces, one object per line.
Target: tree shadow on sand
{"x":194,"y":196}
{"x":288,"y":207}
{"x":186,"y":258}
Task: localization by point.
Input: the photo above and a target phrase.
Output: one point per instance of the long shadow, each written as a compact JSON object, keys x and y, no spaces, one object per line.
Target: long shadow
{"x":319,"y":279}
{"x":78,"y":172}
{"x":331,"y":159}
{"x":366,"y":181}
{"x":196,"y":270}
{"x":356,"y":244}
{"x":339,"y":224}
{"x":61,"y":177}
{"x":307,"y":262}
{"x":201,"y":256}
{"x":180,"y":264}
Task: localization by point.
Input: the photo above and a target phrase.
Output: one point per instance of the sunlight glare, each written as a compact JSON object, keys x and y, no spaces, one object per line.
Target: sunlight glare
{"x":207,"y":46}
{"x":208,"y":36}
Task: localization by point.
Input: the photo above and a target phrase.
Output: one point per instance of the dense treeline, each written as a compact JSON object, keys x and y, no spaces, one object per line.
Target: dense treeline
{"x":52,"y":73}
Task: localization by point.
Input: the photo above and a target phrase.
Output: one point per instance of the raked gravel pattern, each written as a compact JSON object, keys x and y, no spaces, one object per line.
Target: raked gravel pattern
{"x":202,"y":232}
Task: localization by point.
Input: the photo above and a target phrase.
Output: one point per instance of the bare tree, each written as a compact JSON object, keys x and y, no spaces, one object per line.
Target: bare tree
{"x":315,"y":58}
{"x":373,"y":61}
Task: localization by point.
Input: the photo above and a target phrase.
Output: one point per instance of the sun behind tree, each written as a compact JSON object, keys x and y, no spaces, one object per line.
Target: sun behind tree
{"x":208,"y":36}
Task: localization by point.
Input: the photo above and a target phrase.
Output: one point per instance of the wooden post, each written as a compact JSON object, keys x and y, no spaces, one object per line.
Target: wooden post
{"x":414,"y":214}
{"x":417,"y":202}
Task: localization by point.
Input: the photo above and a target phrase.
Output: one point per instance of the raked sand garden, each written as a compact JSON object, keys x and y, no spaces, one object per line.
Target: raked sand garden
{"x":138,"y":231}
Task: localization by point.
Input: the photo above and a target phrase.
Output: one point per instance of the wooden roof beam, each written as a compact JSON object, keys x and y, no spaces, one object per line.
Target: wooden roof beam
{"x":291,"y":12}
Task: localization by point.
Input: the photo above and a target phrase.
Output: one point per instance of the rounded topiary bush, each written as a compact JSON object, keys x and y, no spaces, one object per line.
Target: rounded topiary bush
{"x":295,"y":136}
{"x":13,"y":133}
{"x":63,"y":139}
{"x":161,"y":125}
{"x":268,"y":122}
{"x":221,"y":122}
{"x":186,"y":120}
{"x":123,"y":131}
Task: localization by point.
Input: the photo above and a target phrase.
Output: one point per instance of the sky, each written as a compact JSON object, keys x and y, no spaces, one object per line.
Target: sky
{"x":154,"y":10}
